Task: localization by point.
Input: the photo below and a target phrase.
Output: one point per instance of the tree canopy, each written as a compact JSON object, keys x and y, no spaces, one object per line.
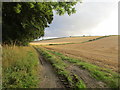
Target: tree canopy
{"x":23,"y":22}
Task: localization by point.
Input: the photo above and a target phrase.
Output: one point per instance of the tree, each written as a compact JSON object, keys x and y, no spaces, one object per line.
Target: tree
{"x":23,"y":22}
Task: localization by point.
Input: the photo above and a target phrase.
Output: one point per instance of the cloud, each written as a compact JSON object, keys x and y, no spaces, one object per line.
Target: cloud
{"x":88,"y":17}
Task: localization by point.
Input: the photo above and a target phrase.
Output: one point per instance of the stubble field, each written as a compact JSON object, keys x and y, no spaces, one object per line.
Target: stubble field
{"x":64,"y":40}
{"x":102,"y":52}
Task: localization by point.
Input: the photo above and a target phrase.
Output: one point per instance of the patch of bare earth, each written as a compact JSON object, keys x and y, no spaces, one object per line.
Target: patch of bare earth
{"x":102,"y":52}
{"x":48,"y":78}
{"x":86,"y":77}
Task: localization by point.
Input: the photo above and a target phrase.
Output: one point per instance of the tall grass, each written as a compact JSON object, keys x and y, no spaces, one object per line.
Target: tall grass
{"x":20,"y":67}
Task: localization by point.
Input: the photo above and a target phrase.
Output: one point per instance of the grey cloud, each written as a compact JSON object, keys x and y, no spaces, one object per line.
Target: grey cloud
{"x":87,"y":17}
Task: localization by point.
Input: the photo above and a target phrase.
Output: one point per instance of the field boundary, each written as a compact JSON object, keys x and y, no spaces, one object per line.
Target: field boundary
{"x":95,"y":39}
{"x":82,"y":42}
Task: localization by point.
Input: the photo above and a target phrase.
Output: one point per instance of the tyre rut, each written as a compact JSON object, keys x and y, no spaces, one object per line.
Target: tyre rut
{"x":85,"y":76}
{"x":48,"y":77}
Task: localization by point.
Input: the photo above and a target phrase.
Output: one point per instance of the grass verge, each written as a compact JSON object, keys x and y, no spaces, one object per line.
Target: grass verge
{"x":107,"y":76}
{"x":70,"y":80}
{"x":62,"y":44}
{"x":95,"y":39}
{"x":82,"y":42}
{"x":20,"y":67}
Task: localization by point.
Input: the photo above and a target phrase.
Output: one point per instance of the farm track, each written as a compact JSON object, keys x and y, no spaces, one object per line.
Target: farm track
{"x":50,"y":80}
{"x":84,"y":75}
{"x":48,"y":77}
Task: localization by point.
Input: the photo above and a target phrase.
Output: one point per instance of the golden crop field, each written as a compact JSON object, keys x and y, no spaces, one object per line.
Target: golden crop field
{"x":102,"y":52}
{"x":64,"y":40}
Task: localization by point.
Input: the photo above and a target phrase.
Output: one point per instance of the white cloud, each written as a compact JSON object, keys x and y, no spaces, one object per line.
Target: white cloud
{"x":109,"y":25}
{"x":91,"y":18}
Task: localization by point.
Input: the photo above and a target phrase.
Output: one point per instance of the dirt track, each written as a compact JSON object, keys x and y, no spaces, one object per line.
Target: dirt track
{"x":102,"y":52}
{"x":85,"y":76}
{"x":49,"y":79}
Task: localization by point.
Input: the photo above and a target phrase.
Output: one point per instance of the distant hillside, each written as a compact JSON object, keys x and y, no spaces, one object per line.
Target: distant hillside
{"x":64,"y":40}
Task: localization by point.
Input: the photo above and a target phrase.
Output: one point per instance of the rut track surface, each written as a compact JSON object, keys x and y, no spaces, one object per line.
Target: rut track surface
{"x":85,"y":76}
{"x":48,"y":78}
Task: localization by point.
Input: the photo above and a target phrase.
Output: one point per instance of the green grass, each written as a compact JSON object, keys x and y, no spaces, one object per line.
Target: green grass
{"x":101,"y":74}
{"x":95,"y":39}
{"x":81,"y":42}
{"x":20,"y":67}
{"x":62,"y":44}
{"x":60,"y":68}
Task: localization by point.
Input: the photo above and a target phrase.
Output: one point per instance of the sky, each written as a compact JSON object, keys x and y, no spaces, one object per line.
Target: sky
{"x":93,"y":17}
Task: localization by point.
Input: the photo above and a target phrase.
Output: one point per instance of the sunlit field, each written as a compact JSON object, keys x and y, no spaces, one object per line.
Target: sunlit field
{"x":102,"y":52}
